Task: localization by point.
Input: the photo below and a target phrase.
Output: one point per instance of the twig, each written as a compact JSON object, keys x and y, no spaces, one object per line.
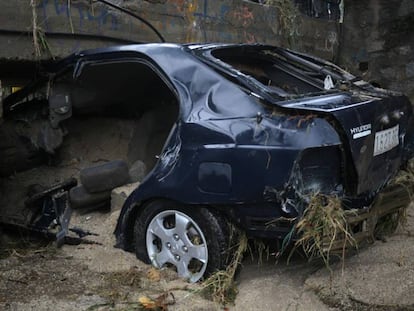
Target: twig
{"x":35,"y":30}
{"x":70,"y":17}
{"x":17,"y":281}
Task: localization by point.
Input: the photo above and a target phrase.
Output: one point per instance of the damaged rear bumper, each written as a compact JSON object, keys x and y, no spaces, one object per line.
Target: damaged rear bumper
{"x":363,"y":222}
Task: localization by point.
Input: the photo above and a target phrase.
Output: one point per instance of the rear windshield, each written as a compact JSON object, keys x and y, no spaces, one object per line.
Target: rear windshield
{"x":272,"y":70}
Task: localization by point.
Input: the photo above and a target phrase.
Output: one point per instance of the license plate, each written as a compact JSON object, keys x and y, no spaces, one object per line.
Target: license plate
{"x":386,"y":140}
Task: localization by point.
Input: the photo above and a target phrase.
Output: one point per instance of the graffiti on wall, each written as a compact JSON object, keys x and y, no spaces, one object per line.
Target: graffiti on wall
{"x":83,"y":14}
{"x":177,"y":20}
{"x":63,"y":16}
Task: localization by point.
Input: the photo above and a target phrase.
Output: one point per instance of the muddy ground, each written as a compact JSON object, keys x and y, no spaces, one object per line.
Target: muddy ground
{"x":37,"y":276}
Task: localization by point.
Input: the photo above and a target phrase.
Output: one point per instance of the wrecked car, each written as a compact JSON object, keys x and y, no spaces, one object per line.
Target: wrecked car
{"x":224,"y":135}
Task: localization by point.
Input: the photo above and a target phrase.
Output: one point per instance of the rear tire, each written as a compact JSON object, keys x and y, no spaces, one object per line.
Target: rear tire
{"x":80,"y":198}
{"x":105,"y":177}
{"x":195,"y":240}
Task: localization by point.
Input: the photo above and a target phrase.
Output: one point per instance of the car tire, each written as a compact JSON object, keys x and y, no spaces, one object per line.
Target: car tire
{"x":80,"y":198}
{"x":197,"y":247}
{"x":105,"y":177}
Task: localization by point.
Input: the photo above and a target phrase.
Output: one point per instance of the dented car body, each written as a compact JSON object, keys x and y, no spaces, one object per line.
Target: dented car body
{"x":250,"y":133}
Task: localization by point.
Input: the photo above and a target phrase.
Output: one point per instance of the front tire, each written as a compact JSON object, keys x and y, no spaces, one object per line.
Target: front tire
{"x":195,"y":240}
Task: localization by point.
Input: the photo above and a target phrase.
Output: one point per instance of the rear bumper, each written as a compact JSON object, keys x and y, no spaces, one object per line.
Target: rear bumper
{"x":363,"y":222}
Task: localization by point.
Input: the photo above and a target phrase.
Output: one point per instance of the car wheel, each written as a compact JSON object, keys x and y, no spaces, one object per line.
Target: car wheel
{"x":79,"y":198}
{"x":105,"y":177}
{"x":194,"y":240}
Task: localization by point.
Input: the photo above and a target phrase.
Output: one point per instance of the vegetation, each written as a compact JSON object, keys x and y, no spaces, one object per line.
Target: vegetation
{"x":40,"y":43}
{"x":323,"y":223}
{"x":220,"y":286}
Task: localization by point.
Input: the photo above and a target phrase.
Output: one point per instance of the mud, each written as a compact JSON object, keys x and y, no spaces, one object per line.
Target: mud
{"x":377,"y":277}
{"x":37,"y":276}
{"x":101,"y":277}
{"x":88,"y":276}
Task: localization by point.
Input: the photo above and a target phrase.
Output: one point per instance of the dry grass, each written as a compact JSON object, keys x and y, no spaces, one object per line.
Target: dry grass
{"x":322,"y":224}
{"x":35,"y":30}
{"x":40,"y":43}
{"x":405,"y":178}
{"x":21,"y":245}
{"x":324,"y":221}
{"x":220,"y":285}
{"x":70,"y":16}
{"x":390,"y":222}
{"x":260,"y":249}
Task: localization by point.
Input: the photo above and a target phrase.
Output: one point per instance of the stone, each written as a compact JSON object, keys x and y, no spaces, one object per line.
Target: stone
{"x":137,"y":171}
{"x":409,"y":70}
{"x":388,"y":72}
{"x":404,"y":50}
{"x":120,"y":194}
{"x":406,"y":7}
{"x":375,"y":46}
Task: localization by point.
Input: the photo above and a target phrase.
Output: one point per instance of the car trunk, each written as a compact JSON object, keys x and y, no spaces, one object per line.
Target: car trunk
{"x":373,"y":131}
{"x":372,"y":123}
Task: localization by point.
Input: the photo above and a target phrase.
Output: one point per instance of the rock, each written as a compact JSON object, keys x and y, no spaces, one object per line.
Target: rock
{"x":137,"y":171}
{"x":404,"y":50}
{"x":409,"y":70}
{"x":389,"y":72}
{"x":376,"y":46}
{"x":406,"y":7}
{"x":120,"y":194}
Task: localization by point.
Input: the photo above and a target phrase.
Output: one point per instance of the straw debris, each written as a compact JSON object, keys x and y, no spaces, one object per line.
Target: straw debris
{"x":40,"y":43}
{"x":323,"y":223}
{"x":220,"y":285}
{"x":405,"y":178}
{"x":389,"y":223}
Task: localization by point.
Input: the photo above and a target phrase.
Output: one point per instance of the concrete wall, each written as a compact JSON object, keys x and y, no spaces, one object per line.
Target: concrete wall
{"x":378,"y":42}
{"x":178,"y":21}
{"x":375,"y":41}
{"x":238,"y":21}
{"x":68,"y":28}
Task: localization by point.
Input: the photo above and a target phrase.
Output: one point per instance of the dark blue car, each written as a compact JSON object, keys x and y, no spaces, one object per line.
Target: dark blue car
{"x":229,"y":135}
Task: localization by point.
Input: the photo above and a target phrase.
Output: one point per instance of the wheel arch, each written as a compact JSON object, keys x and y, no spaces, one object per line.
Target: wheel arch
{"x":124,"y":231}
